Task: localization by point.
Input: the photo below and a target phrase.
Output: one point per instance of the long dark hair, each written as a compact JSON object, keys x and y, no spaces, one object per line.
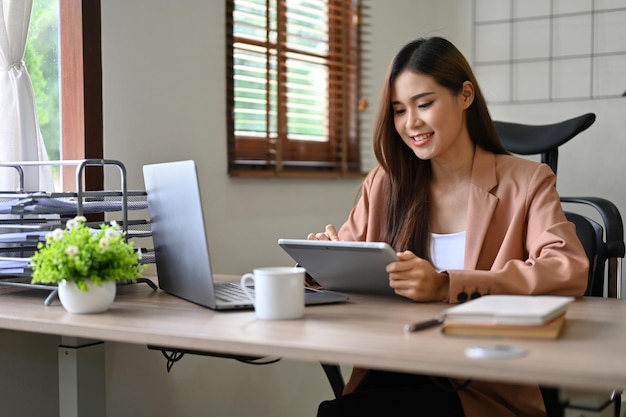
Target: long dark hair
{"x":406,"y":225}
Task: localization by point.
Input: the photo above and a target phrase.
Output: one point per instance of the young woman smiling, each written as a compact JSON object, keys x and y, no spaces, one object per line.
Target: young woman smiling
{"x":466,"y":218}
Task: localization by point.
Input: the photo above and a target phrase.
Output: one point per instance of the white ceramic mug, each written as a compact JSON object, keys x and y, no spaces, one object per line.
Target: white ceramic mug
{"x":278,"y":292}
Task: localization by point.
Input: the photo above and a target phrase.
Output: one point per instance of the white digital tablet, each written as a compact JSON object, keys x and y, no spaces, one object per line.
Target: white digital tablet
{"x":356,"y":267}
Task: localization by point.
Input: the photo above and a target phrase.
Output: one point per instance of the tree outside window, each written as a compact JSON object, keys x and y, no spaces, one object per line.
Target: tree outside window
{"x":42,"y":60}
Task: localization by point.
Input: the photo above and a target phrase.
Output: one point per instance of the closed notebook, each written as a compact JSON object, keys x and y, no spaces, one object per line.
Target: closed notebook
{"x":550,"y":330}
{"x":510,"y":309}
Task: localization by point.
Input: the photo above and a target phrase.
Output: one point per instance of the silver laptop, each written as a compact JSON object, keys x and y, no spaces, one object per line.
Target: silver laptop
{"x":181,"y":246}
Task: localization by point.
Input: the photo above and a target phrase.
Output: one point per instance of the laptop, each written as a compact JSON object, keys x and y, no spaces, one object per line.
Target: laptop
{"x":353,"y":267}
{"x":181,"y":246}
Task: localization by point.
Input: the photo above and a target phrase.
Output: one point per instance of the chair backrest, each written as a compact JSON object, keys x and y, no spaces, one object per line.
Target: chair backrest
{"x":590,"y":234}
{"x":603,"y":243}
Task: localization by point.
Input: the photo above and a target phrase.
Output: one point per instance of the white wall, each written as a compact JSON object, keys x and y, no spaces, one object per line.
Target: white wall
{"x":164,"y":99}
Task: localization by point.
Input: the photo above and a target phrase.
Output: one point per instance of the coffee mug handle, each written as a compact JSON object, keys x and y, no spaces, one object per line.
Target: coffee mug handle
{"x":244,"y":280}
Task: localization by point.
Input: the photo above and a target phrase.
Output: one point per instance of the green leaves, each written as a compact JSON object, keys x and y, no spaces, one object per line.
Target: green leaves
{"x":79,"y":253}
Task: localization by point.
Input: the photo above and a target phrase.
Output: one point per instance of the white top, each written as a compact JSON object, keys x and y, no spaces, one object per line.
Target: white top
{"x":447,"y":251}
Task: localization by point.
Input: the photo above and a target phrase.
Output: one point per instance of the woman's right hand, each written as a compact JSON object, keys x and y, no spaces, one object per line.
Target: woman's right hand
{"x":329,"y":233}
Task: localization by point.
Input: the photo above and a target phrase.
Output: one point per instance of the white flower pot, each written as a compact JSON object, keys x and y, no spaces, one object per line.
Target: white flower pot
{"x":96,"y":299}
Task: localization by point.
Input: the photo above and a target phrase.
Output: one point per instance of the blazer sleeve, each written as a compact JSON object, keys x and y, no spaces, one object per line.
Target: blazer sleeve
{"x":530,"y":248}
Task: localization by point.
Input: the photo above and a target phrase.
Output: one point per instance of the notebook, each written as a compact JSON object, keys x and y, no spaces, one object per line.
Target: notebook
{"x":533,"y":310}
{"x":181,"y":246}
{"x":550,"y":330}
{"x":357,"y":267}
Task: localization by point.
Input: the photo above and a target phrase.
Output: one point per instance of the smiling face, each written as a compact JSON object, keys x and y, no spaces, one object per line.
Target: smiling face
{"x":429,"y":118}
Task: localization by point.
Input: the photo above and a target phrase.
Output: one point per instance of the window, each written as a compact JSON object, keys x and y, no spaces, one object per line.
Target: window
{"x":293,"y":87}
{"x":68,"y":83}
{"x":81,"y":87}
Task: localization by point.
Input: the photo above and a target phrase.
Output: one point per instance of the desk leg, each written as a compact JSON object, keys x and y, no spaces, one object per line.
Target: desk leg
{"x":81,"y":378}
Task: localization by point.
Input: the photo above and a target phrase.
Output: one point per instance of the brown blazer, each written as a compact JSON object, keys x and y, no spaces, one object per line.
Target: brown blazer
{"x":518,"y":241}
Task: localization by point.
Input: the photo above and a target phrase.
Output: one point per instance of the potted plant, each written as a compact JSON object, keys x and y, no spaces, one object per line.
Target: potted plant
{"x":86,"y":264}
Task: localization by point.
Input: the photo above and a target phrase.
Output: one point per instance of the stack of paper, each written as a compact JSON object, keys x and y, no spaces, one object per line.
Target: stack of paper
{"x":11,"y":265}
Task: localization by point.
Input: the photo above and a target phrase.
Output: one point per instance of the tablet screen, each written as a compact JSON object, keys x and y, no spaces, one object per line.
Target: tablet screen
{"x":358,"y":267}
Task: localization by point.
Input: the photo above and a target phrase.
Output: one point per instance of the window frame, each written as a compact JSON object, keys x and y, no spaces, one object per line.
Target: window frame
{"x":80,"y":49}
{"x":268,"y":156}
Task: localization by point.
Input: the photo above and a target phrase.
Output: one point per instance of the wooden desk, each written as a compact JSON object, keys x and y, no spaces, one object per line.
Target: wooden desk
{"x":367,"y":331}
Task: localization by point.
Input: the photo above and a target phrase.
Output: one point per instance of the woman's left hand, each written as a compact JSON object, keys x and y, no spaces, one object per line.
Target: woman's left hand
{"x":329,"y":233}
{"x":417,"y":279}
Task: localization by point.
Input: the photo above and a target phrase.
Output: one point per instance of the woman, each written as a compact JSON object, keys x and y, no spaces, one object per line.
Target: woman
{"x":466,"y":218}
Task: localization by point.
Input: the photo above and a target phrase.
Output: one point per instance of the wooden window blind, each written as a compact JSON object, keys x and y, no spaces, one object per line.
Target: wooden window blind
{"x":293,"y":87}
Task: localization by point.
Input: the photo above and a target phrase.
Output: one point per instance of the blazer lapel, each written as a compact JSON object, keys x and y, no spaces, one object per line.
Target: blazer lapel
{"x":481,"y":205}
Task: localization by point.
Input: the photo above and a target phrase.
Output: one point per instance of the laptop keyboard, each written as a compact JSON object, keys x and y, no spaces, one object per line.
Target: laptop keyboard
{"x":231,"y":291}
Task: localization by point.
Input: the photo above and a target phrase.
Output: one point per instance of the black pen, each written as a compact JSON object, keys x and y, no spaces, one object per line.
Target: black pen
{"x":421,"y":325}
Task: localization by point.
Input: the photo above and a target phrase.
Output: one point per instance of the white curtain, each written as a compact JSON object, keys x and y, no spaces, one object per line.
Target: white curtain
{"x":20,"y":137}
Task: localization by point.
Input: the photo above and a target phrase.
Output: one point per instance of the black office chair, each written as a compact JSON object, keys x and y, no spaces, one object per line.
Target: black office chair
{"x":603,"y":243}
